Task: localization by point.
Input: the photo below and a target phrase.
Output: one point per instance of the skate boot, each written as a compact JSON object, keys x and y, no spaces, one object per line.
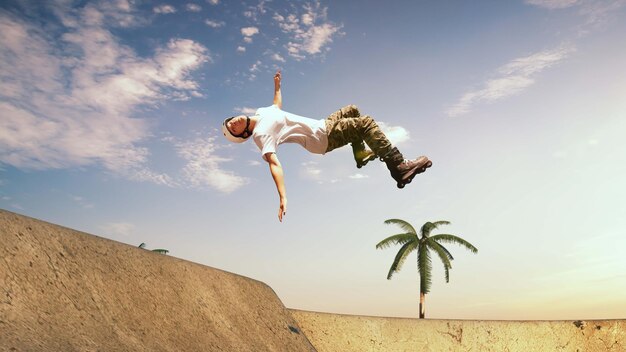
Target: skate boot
{"x":361,"y":155}
{"x":403,"y":170}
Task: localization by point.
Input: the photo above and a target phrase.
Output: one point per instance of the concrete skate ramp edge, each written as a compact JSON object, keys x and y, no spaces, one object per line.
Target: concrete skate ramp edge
{"x":63,"y":290}
{"x":347,"y":333}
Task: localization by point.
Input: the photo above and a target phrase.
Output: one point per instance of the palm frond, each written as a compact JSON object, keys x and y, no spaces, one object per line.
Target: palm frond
{"x":444,"y":255}
{"x":447,"y":238}
{"x":429,"y":226}
{"x":425,"y":267}
{"x":445,"y":250}
{"x":400,"y":239}
{"x":403,"y":253}
{"x":403,"y":224}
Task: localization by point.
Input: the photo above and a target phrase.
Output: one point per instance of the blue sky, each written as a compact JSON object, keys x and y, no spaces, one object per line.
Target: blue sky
{"x":110,"y":114}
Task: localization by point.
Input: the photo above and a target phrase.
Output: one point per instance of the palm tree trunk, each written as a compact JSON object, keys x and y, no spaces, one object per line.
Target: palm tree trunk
{"x":422,"y":305}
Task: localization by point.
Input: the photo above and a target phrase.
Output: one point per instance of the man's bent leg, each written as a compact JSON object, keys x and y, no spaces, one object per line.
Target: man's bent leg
{"x":361,"y":155}
{"x":335,"y":139}
{"x":357,"y":129}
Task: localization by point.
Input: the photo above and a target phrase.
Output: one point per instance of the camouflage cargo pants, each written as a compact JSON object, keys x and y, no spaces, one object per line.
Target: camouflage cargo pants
{"x":346,"y":125}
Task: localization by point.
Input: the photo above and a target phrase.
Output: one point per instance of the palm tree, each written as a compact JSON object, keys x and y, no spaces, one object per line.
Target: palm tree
{"x":423,"y":244}
{"x":162,"y":251}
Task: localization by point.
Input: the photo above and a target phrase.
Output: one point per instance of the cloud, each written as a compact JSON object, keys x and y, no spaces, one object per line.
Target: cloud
{"x":213,"y":2}
{"x":82,"y":202}
{"x":214,"y":24}
{"x":69,"y":97}
{"x":246,"y":110}
{"x":553,"y":4}
{"x":358,"y":176}
{"x":203,"y":166}
{"x":311,"y":170}
{"x":114,"y":229}
{"x":253,"y":12}
{"x":310,"y":33}
{"x":253,"y":70}
{"x":248,"y":32}
{"x":277,"y":57}
{"x":164,"y":9}
{"x":596,"y":12}
{"x":395,"y":134}
{"x":193,"y":7}
{"x":511,"y":79}
{"x":255,"y":66}
{"x":241,"y":49}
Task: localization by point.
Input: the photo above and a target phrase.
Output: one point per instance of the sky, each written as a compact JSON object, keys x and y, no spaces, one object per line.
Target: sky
{"x":110,"y":115}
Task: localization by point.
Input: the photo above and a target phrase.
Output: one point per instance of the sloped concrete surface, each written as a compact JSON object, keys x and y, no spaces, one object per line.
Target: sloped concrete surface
{"x":63,"y":290}
{"x":345,"y":333}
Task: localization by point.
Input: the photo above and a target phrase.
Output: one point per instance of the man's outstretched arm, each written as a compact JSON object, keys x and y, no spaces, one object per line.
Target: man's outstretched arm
{"x":278,"y":98}
{"x":277,"y":174}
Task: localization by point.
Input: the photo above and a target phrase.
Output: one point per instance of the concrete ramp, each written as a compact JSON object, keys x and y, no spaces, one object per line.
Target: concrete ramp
{"x":346,"y":333}
{"x":63,"y":290}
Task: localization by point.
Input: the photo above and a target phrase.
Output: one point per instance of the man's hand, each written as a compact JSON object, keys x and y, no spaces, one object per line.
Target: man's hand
{"x":277,"y":78}
{"x":278,"y":97}
{"x":282,"y":210}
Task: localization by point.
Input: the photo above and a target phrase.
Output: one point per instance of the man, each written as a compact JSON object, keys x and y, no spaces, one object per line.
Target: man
{"x":271,"y":126}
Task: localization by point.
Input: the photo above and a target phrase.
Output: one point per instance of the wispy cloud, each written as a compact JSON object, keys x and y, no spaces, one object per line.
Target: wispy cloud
{"x":358,"y":176}
{"x":70,"y":102}
{"x":553,"y":4}
{"x":596,"y":13}
{"x":254,"y":69}
{"x":203,"y":166}
{"x":193,"y":7}
{"x":310,"y":169}
{"x":82,"y":202}
{"x":114,"y":229}
{"x":214,"y":24}
{"x":164,"y":9}
{"x":255,"y":66}
{"x":310,"y":32}
{"x":246,"y":110}
{"x":511,"y":79}
{"x":213,"y":2}
{"x":254,"y":12}
{"x":277,"y":57}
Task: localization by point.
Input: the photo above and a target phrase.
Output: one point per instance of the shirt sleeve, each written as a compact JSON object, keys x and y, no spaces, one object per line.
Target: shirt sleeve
{"x":268,"y":145}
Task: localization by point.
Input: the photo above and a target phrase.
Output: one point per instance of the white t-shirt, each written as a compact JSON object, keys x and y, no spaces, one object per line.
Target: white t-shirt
{"x":275,"y":127}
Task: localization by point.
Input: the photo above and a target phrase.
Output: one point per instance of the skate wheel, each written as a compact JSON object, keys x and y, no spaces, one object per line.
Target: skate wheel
{"x":400,"y":185}
{"x":359,"y":166}
{"x":429,"y":164}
